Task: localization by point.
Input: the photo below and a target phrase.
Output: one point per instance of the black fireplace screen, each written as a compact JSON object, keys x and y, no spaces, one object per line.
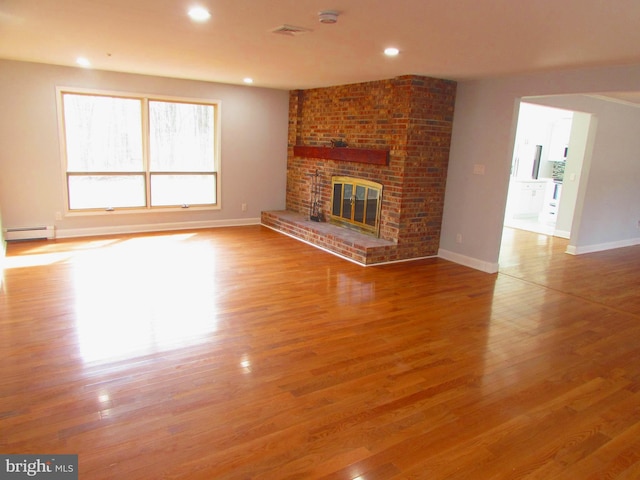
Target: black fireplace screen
{"x":356,"y":203}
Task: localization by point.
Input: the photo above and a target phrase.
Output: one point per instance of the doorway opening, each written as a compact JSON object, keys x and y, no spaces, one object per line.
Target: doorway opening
{"x":549,"y":150}
{"x":540,"y":153}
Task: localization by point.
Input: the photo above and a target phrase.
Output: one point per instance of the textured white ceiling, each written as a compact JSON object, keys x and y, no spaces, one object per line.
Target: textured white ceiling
{"x":455,"y":39}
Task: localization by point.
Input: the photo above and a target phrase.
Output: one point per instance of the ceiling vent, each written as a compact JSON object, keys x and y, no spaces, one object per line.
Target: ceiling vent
{"x":290,"y":30}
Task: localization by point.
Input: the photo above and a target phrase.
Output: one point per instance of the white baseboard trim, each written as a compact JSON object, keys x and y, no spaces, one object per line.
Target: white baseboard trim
{"x":573,"y":250}
{"x":152,"y":227}
{"x":471,"y":262}
{"x":562,"y":234}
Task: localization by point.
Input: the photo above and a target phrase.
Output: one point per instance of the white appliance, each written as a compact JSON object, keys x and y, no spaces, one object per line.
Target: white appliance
{"x":526,"y":165}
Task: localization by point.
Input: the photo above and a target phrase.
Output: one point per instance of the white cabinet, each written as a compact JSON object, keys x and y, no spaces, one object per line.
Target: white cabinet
{"x":549,"y":212}
{"x":526,"y":198}
{"x":559,"y":141}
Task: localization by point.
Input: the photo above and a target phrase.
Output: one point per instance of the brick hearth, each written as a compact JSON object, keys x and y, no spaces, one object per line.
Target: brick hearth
{"x":358,"y":247}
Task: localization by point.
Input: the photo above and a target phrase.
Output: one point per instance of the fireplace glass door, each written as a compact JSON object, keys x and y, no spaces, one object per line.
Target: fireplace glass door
{"x":356,"y":203}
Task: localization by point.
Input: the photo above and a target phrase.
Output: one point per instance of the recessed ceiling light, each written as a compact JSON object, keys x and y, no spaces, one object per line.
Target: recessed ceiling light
{"x":248,"y":80}
{"x":391,"y":51}
{"x":83,"y":62}
{"x":199,"y":14}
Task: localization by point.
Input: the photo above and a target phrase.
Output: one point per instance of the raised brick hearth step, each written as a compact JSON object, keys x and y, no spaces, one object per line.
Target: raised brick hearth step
{"x":357,"y":247}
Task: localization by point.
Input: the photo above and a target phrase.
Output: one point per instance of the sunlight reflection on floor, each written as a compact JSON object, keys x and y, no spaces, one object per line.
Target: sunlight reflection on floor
{"x":155,"y":309}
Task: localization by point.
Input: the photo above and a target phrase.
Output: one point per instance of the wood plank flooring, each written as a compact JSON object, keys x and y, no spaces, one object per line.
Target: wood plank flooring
{"x":611,"y":277}
{"x":240,"y":353}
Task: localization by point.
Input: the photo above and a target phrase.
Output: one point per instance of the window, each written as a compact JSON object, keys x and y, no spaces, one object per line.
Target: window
{"x":139,"y":152}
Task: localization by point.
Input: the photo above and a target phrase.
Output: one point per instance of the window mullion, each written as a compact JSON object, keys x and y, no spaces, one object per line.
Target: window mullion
{"x":146,"y":161}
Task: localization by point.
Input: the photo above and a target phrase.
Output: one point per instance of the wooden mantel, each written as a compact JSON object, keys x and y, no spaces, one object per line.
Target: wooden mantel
{"x":344,"y":154}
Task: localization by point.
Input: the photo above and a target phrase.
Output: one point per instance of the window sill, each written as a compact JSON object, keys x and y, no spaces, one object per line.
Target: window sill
{"x":139,"y":211}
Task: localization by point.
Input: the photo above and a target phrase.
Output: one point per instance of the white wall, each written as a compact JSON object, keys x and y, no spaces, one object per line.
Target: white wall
{"x":2,"y":247}
{"x":611,"y":205}
{"x":583,"y":133}
{"x":253,"y":149}
{"x":483,"y":133}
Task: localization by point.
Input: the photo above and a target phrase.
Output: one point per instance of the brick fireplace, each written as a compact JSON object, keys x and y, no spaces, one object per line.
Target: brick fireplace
{"x":398,"y":133}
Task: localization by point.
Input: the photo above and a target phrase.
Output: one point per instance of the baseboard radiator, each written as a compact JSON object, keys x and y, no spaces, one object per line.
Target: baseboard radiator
{"x":30,"y":233}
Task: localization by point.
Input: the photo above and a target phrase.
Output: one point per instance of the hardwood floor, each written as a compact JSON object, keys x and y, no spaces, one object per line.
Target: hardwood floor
{"x":611,"y":277}
{"x":239,"y":353}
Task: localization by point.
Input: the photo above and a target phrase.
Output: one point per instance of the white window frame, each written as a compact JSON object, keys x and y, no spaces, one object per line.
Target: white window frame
{"x":145,"y":99}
